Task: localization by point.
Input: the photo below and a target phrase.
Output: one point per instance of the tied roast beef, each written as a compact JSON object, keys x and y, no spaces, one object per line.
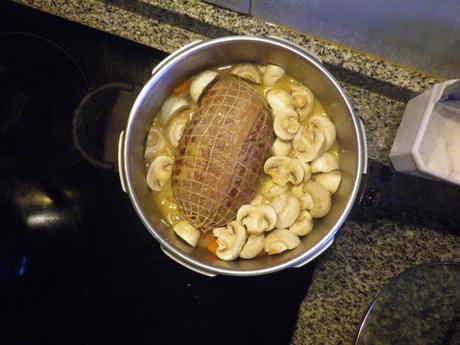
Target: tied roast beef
{"x":220,"y":158}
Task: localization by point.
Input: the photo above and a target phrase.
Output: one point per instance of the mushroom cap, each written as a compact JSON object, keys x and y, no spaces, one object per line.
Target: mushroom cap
{"x":256,"y":219}
{"x":326,"y":127}
{"x":302,"y":100}
{"x":159,"y":172}
{"x":280,"y":240}
{"x":187,"y":232}
{"x":286,"y":123}
{"x":253,"y":246}
{"x":230,"y":240}
{"x":309,"y":143}
{"x":287,"y":209}
{"x":306,"y":201}
{"x":325,"y":163}
{"x":202,"y":82}
{"x":281,"y":147}
{"x":284,"y":169}
{"x":321,"y":198}
{"x":176,"y":130}
{"x":171,"y":106}
{"x":303,"y":225}
{"x":272,"y":74}
{"x":330,"y":180}
{"x":155,"y":143}
{"x":270,"y":189}
{"x":278,"y":99}
{"x":259,"y":199}
{"x":247,"y":71}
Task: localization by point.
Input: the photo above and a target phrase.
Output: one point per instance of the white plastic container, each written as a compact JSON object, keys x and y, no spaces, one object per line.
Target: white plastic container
{"x":427,"y":143}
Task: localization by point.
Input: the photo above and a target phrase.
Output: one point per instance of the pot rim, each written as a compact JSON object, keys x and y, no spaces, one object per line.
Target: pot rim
{"x":183,"y":258}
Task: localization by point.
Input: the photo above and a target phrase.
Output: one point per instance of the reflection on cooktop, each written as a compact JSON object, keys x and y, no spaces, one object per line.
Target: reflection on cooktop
{"x":76,"y":264}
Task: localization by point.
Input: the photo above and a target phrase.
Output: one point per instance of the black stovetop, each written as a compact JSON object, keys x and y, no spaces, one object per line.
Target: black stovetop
{"x":76,"y":264}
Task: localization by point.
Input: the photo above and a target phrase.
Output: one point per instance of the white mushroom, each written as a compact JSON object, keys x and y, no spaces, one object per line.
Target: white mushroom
{"x":278,"y":99}
{"x":159,"y":172}
{"x":272,"y":74}
{"x":176,"y":130}
{"x":309,"y":143}
{"x":171,"y":106}
{"x":270,"y":189}
{"x":256,"y":219}
{"x":306,"y":201}
{"x":230,"y":240}
{"x":283,"y":170}
{"x":287,"y":209}
{"x":280,"y":240}
{"x":286,"y":123}
{"x":259,"y":199}
{"x":326,"y":127}
{"x":248,"y":72}
{"x":187,"y":232}
{"x":321,"y":198}
{"x":253,"y":247}
{"x":281,"y":147}
{"x":262,"y":68}
{"x":325,"y":163}
{"x":303,"y":225}
{"x":330,"y":180}
{"x":302,"y":100}
{"x":154,"y":145}
{"x":306,"y":171}
{"x":202,"y":82}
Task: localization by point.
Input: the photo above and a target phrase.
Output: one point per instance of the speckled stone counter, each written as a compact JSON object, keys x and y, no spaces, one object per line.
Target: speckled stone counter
{"x":367,"y":252}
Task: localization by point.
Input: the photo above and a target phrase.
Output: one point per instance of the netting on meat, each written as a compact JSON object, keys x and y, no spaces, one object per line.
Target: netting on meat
{"x":220,"y":157}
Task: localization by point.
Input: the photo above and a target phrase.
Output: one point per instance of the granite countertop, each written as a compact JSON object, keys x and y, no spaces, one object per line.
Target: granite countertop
{"x":367,"y":252}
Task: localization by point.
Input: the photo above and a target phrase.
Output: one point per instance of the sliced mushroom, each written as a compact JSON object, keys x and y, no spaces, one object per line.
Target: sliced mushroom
{"x":286,"y":123}
{"x":159,"y":172}
{"x":272,"y":74}
{"x":201,"y":83}
{"x":326,"y":127}
{"x":155,"y":143}
{"x":270,"y":189}
{"x":283,"y":170}
{"x":248,"y":72}
{"x":278,"y":100}
{"x":330,"y":180}
{"x":287,"y":209}
{"x":281,"y":147}
{"x":309,"y":143}
{"x":230,"y":240}
{"x":303,"y":100}
{"x":176,"y":130}
{"x":303,"y":225}
{"x":321,"y":198}
{"x":306,"y":201}
{"x":325,"y":163}
{"x":256,"y":219}
{"x":253,"y":246}
{"x":280,"y":240}
{"x":259,"y":199}
{"x":187,"y":232}
{"x":171,"y":106}
{"x":306,"y":171}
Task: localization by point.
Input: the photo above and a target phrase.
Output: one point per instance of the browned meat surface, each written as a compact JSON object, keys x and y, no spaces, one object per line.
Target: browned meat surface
{"x":220,"y":158}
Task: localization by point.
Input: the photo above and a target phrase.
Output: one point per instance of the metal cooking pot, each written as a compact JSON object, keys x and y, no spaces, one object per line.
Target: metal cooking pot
{"x":197,"y":57}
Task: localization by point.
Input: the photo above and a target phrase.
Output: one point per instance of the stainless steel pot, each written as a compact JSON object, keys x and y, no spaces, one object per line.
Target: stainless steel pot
{"x":197,"y":57}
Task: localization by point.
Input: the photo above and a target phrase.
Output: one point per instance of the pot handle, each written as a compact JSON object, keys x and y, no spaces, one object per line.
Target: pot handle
{"x":179,"y":261}
{"x":121,"y":172}
{"x":283,"y":40}
{"x":174,"y":54}
{"x":317,"y":253}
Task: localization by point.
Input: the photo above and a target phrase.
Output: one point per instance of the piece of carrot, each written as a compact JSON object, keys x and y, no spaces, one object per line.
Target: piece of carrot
{"x":212,"y":244}
{"x":182,"y":88}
